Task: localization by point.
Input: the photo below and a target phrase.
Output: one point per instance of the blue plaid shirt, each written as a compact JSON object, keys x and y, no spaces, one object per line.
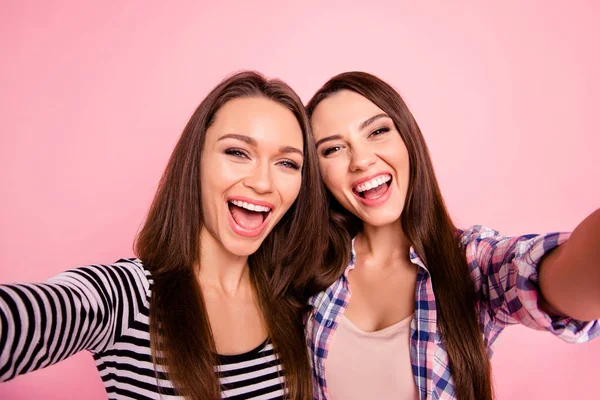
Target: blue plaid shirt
{"x":504,"y":271}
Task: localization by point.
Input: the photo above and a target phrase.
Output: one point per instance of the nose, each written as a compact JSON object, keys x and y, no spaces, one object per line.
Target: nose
{"x":361,"y":159}
{"x":260,"y":179}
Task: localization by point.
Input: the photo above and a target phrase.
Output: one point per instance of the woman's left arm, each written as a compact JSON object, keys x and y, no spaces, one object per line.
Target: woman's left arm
{"x":569,"y":276}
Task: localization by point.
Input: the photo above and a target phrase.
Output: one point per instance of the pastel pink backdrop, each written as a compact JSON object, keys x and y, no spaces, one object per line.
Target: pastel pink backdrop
{"x":93,"y":98}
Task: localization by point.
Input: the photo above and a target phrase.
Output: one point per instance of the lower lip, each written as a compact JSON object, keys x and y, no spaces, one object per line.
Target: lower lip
{"x":245,"y":232}
{"x":378,"y":201}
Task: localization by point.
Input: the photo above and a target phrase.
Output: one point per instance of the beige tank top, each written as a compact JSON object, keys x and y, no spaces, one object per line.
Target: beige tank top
{"x":370,"y":365}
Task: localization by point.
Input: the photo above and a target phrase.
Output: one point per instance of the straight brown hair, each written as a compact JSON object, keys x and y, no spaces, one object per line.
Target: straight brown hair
{"x":282,"y":270}
{"x":429,"y":228}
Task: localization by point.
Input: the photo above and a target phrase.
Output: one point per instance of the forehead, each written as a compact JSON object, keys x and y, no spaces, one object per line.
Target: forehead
{"x":258,"y":117}
{"x":341,"y":112}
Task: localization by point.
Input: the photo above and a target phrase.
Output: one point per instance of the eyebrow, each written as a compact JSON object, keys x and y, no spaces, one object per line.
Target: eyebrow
{"x":241,"y":138}
{"x":369,"y":121}
{"x":362,"y":126}
{"x":327,"y":139}
{"x":250,"y":141}
{"x":290,"y":149}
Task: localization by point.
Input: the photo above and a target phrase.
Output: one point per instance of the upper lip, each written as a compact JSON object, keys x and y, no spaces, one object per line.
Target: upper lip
{"x":252,"y":201}
{"x":368,"y":178}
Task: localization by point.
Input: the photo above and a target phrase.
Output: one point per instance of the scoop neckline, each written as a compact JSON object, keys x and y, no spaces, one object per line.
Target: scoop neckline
{"x":394,"y":327}
{"x":244,"y":356}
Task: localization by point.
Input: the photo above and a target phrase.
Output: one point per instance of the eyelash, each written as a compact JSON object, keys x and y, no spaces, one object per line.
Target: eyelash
{"x":236,"y":153}
{"x":330,"y":150}
{"x":376,"y":132}
{"x":381,"y":131}
{"x":242,"y":154}
{"x":290,"y":164}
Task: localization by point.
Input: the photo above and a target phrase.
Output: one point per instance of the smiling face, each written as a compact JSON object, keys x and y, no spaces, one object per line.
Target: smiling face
{"x":251,"y":172}
{"x":362,"y":157}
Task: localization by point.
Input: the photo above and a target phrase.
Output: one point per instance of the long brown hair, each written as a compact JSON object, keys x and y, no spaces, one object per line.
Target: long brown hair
{"x":430,"y":230}
{"x":281,"y":270}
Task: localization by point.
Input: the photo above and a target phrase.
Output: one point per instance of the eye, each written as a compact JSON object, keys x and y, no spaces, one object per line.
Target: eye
{"x":290,"y":164}
{"x":330,"y":150}
{"x":236,"y":153}
{"x":380,"y":131}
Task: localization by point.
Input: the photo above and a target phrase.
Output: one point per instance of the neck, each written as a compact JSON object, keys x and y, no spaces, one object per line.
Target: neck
{"x":220,"y":270}
{"x":383,"y":243}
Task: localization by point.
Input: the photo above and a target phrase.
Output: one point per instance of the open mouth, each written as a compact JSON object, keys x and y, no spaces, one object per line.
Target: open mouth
{"x":249,"y":219}
{"x":373,"y":188}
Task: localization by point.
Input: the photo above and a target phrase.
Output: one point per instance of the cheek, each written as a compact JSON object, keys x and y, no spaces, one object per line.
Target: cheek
{"x":396,"y":155}
{"x":213,"y":183}
{"x":207,"y":200}
{"x":289,"y":188}
{"x":219,"y":175}
{"x":333,"y":176}
{"x":223,"y":171}
{"x":404,"y":165}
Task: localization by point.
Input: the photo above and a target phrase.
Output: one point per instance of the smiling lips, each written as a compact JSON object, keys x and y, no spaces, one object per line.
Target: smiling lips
{"x":248,"y":217}
{"x":373,"y":191}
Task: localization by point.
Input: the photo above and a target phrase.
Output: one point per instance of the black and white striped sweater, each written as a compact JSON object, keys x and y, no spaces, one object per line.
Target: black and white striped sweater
{"x":104,"y":309}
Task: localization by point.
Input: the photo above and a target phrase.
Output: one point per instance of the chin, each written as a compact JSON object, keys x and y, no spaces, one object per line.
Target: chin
{"x":383,"y":219}
{"x":241,"y":249}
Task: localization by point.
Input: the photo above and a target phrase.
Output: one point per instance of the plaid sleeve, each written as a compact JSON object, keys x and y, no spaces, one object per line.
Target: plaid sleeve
{"x":505,"y":272}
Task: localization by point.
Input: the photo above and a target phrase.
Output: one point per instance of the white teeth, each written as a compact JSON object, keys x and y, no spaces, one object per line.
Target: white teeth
{"x":250,"y":206}
{"x":373,"y":183}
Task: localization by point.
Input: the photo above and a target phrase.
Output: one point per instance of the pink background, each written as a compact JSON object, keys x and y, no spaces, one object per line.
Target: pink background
{"x":92,"y":100}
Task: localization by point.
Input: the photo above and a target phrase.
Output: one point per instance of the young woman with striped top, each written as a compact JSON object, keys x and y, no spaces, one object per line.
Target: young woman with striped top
{"x":213,"y":305}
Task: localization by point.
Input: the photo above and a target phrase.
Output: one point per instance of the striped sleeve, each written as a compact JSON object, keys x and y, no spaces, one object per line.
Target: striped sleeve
{"x":83,"y":308}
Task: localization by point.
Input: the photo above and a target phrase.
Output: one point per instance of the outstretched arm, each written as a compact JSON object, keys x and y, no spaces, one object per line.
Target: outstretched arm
{"x":570,"y":274}
{"x":84,"y":308}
